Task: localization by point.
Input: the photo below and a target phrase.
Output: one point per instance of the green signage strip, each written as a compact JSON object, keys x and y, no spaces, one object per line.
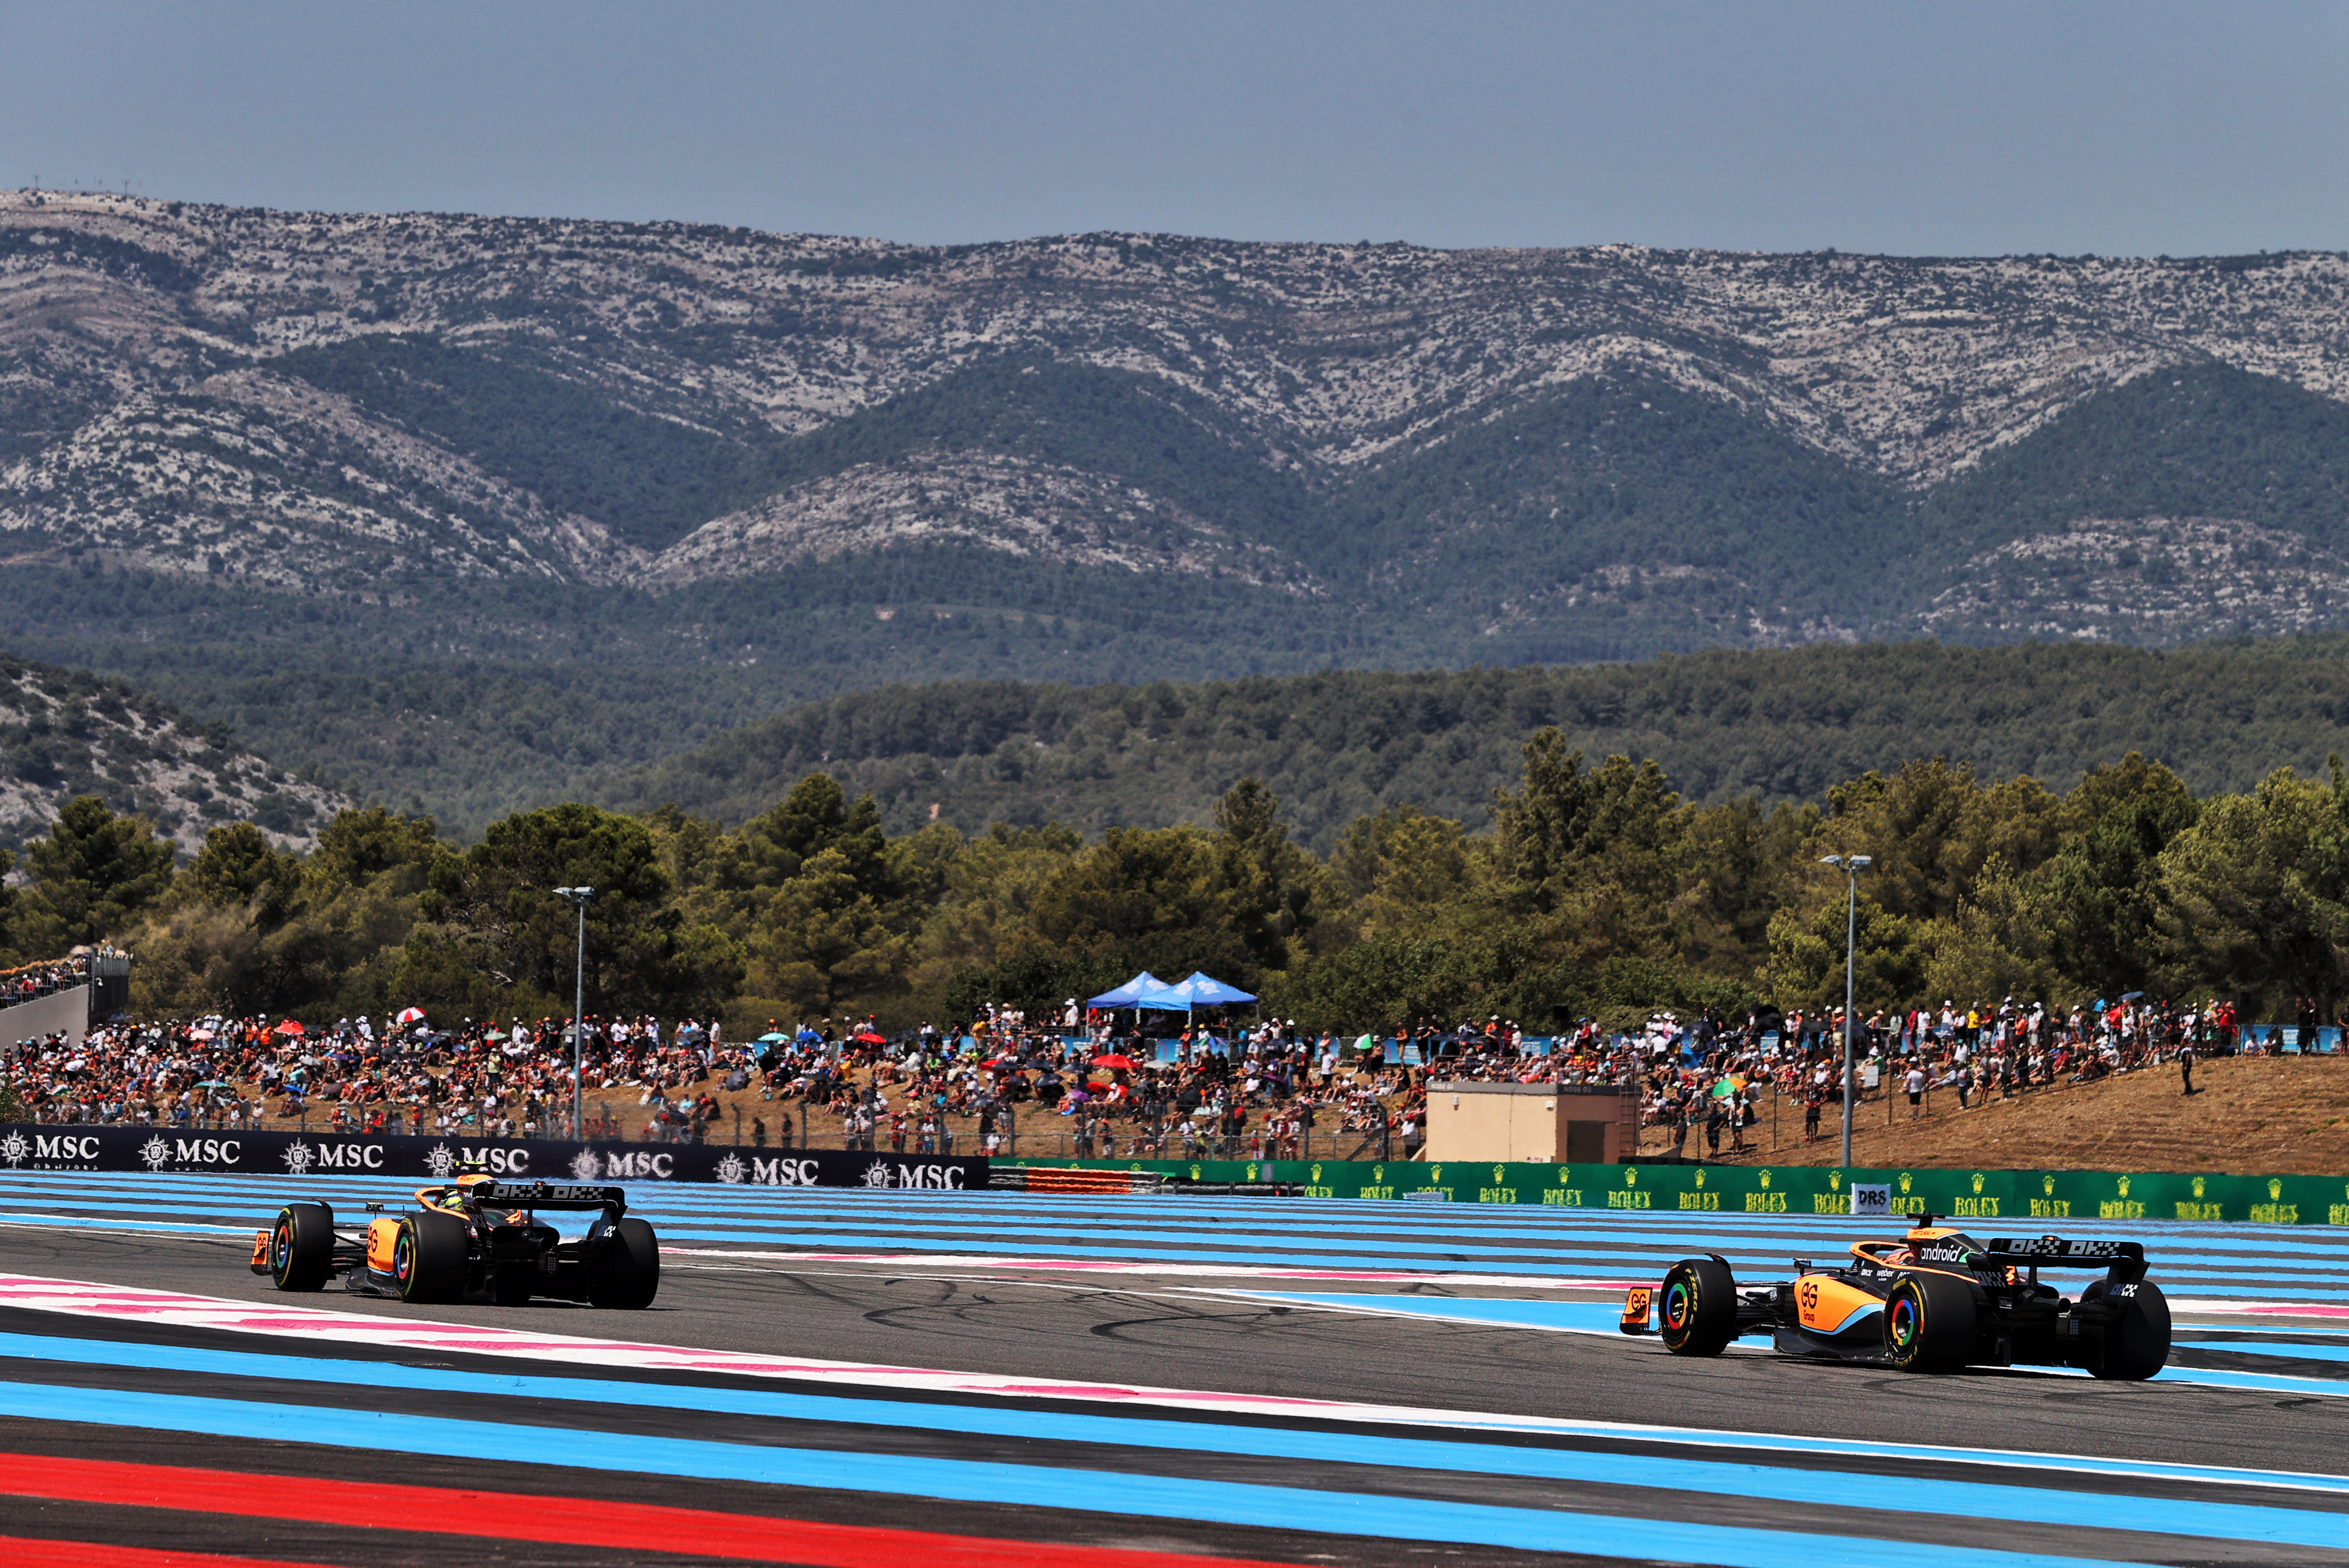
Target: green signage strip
{"x":2002,"y":1195}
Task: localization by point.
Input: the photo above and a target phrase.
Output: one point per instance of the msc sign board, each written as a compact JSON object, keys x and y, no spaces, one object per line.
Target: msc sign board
{"x":298,"y":1153}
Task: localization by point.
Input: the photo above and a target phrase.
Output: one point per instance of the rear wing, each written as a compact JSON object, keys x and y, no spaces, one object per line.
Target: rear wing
{"x":546,"y":1195}
{"x":2059,"y":1250}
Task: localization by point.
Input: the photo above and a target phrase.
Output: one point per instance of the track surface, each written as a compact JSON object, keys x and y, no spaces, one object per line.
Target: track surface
{"x":1144,"y":1381}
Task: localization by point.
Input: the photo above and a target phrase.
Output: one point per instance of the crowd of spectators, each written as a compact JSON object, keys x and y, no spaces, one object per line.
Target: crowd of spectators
{"x":352,"y":1076}
{"x":29,"y":983}
{"x":1712,"y":1075}
{"x":1074,"y":1084}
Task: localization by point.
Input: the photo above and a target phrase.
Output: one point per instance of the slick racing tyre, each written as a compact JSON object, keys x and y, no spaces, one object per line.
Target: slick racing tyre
{"x":428,"y":1257}
{"x":302,"y":1247}
{"x":624,"y":1272}
{"x":1698,"y":1307}
{"x":1929,"y":1324}
{"x":2136,"y":1342}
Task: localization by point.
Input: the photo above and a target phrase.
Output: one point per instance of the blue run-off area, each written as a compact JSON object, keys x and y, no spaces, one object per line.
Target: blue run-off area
{"x":1750,"y":1497}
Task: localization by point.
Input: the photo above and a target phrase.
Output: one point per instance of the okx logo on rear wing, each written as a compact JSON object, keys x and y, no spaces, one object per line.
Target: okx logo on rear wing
{"x":2123,"y":1260}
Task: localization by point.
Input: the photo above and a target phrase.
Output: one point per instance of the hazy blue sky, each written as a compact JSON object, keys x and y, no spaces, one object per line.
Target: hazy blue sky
{"x":1940,"y":129}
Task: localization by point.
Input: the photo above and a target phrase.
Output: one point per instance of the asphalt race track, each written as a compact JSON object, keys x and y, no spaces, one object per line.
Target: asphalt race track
{"x":958,"y":1380}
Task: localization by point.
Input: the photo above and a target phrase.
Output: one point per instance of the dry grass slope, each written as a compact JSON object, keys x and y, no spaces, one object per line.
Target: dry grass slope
{"x":2253,"y":1116}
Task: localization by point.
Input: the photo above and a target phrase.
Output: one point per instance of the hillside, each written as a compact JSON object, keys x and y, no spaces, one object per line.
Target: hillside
{"x":471,"y":740}
{"x":1148,"y":455}
{"x":1781,"y":725}
{"x":65,"y":733}
{"x":2253,"y":1116}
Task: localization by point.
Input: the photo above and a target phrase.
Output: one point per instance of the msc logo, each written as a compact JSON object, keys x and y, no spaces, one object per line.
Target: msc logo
{"x":159,"y":1151}
{"x":302,"y":1158}
{"x":16,"y":1148}
{"x":880,"y":1174}
{"x":778,"y":1173}
{"x":638,"y":1163}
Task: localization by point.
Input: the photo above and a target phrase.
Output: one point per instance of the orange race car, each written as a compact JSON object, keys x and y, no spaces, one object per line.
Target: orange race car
{"x":476,"y":1237}
{"x":1934,"y":1301}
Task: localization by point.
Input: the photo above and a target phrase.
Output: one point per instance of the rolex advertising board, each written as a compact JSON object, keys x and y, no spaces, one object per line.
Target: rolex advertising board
{"x":1960,"y":1195}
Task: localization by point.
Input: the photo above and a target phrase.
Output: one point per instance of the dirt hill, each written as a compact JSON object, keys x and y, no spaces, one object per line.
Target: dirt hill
{"x":2254,"y":1116}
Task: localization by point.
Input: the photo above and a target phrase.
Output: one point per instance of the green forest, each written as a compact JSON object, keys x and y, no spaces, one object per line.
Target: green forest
{"x":470,"y":740}
{"x":1593,"y":889}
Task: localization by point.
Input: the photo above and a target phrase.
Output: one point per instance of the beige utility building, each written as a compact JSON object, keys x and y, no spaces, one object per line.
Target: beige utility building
{"x":1534,"y":1124}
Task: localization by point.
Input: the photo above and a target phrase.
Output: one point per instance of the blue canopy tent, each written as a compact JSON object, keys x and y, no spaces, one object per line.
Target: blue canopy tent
{"x":1198,"y":990}
{"x":1206,"y":991}
{"x":1126,"y":996}
{"x":1166,"y":1001}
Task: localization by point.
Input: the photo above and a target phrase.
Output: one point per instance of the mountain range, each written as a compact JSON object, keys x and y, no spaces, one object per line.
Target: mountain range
{"x":1555,"y":454}
{"x":600,"y":490}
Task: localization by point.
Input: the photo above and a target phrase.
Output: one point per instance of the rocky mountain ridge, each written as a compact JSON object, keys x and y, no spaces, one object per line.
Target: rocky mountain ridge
{"x":65,"y":733}
{"x":1553,"y":454}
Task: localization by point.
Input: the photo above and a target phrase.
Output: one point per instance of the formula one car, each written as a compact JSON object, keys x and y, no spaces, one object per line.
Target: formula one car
{"x":477,"y":1237}
{"x":1935,"y":1301}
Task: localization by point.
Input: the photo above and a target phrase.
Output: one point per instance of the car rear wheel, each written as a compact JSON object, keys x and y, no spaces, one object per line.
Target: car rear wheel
{"x":2136,"y":1342}
{"x":1697,"y":1307}
{"x":627,"y":1269}
{"x":428,"y":1257}
{"x":302,"y":1247}
{"x":1929,"y":1324}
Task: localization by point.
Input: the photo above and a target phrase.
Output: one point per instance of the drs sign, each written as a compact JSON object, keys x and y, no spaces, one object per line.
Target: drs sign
{"x":1872,"y":1199}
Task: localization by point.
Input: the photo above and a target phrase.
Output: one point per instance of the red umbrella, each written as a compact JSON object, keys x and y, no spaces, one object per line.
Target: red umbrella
{"x":869,"y":1038}
{"x":410,"y":1015}
{"x":288,"y":1027}
{"x":1115,"y":1062}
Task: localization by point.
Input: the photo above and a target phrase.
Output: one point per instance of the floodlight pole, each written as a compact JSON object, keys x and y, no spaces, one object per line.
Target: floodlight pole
{"x":1851,"y":865}
{"x":578,"y":898}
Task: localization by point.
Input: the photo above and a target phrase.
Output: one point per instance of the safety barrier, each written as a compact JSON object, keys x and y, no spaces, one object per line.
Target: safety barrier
{"x":1050,"y":1179}
{"x":2026,"y":1195}
{"x":294,"y":1155}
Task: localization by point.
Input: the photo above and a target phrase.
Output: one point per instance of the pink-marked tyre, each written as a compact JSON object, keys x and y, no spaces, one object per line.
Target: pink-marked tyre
{"x":428,"y":1257}
{"x":1697,"y":1310}
{"x":1929,"y":1324}
{"x":302,"y":1247}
